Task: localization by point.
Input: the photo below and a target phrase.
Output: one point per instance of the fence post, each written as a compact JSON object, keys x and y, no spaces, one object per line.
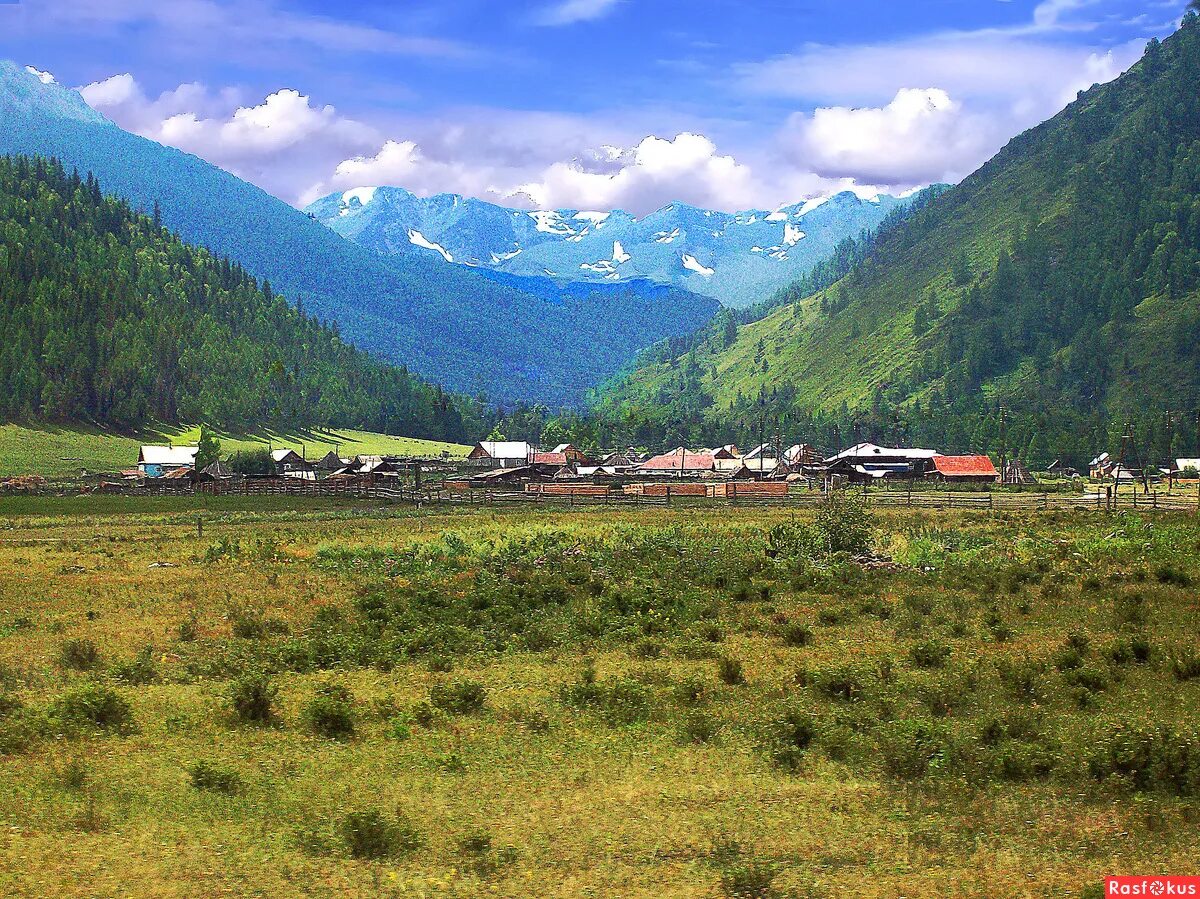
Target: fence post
{"x":1045,"y":501}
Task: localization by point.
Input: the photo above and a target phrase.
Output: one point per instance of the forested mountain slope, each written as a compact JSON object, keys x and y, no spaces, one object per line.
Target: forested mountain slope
{"x":448,"y":323}
{"x":1059,"y":280}
{"x":107,"y":317}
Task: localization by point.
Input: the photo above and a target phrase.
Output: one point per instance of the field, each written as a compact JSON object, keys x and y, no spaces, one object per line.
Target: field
{"x":59,"y":452}
{"x":313,"y":699}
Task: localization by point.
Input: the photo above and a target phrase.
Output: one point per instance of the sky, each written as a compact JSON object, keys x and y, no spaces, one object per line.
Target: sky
{"x":585,"y":104}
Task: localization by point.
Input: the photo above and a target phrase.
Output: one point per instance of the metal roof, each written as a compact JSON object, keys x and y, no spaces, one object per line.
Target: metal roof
{"x":505,"y":449}
{"x":867,"y":450}
{"x":167,"y":455}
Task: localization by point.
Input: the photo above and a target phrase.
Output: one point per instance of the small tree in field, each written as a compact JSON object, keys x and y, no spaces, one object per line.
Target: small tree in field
{"x":208,"y":449}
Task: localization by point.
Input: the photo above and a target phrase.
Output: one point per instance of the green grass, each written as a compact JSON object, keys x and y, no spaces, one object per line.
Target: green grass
{"x":66,"y":451}
{"x":532,"y":703}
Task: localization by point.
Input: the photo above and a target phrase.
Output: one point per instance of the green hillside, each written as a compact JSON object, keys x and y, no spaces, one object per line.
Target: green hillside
{"x":1059,"y":280}
{"x":106,"y":317}
{"x":66,"y":451}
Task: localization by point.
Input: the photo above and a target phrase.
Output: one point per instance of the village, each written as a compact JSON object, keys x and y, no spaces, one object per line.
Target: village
{"x":521,"y":468}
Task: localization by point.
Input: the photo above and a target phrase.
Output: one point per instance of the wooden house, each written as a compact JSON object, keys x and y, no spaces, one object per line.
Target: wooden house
{"x":501,"y":453}
{"x":159,"y":461}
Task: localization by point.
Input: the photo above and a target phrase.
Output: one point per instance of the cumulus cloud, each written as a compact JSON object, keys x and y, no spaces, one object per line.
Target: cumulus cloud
{"x":281,"y":144}
{"x":922,"y":135}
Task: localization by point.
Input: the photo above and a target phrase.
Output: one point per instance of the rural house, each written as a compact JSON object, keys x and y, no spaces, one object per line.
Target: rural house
{"x":290,"y":464}
{"x":158,"y":461}
{"x":868,"y":462}
{"x":574,"y":455}
{"x":501,"y":453}
{"x":679,"y":463}
{"x":964,"y":470}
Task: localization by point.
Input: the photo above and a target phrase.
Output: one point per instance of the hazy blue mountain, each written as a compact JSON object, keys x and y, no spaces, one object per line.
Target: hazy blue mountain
{"x":451,"y":324}
{"x":737,"y":259}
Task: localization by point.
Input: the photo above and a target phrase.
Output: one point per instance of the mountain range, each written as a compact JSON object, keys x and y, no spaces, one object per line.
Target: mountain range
{"x":738,"y":259}
{"x":1056,"y":290}
{"x":503,"y":338}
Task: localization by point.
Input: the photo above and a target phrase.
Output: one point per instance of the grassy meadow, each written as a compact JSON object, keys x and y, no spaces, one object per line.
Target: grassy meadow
{"x":322,"y":699}
{"x":66,"y":451}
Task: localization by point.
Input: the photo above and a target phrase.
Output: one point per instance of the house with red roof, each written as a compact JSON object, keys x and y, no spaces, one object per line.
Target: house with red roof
{"x":964,"y":469}
{"x":680,"y":463}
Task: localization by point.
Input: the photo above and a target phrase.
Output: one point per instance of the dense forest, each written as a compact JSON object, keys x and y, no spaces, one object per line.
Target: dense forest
{"x":108,"y":317}
{"x":1060,"y":284}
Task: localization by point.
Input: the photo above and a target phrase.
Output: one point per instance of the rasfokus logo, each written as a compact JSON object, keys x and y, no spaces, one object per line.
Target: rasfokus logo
{"x":1152,"y":886}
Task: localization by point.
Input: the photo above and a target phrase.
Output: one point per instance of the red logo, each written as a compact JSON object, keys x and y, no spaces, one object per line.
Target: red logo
{"x":1152,"y":887}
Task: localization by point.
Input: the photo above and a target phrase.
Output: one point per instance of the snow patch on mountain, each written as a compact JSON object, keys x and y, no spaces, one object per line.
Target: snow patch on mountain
{"x":693,"y":264}
{"x":550,"y":222}
{"x":792,"y":235}
{"x":416,"y":238}
{"x":619,"y":255}
{"x":44,"y":77}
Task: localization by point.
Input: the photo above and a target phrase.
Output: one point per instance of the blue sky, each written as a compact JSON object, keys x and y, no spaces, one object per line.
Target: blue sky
{"x":729,"y":104}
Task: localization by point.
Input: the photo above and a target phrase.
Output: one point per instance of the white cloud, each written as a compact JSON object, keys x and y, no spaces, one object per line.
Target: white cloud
{"x":922,"y":135}
{"x":653,"y":173}
{"x":568,"y":12}
{"x":281,"y":144}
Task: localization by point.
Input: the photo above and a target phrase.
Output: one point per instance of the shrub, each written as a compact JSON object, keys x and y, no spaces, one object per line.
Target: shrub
{"x":189,"y":629}
{"x":691,"y":691}
{"x":1149,"y":757}
{"x":80,"y":655}
{"x":1185,"y":665}
{"x":730,"y":671}
{"x":751,"y":879}
{"x":139,"y":670}
{"x":847,"y":683}
{"x":372,"y":835}
{"x":1169,"y":574}
{"x":844,"y":525}
{"x":699,"y":727}
{"x":330,"y":713}
{"x":796,"y":634}
{"x":648,"y":649}
{"x":929,"y":654}
{"x":215,"y":778}
{"x":462,"y":698}
{"x":788,"y":737}
{"x":910,"y":748}
{"x":252,"y":698}
{"x":622,"y":701}
{"x":96,"y":706}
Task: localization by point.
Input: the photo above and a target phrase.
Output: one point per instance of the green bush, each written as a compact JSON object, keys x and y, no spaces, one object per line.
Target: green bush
{"x":94,"y":705}
{"x":462,"y":698}
{"x":846,"y":683}
{"x":699,"y":727}
{"x":330,"y":713}
{"x":372,"y":835}
{"x":691,"y":691}
{"x":789,"y":734}
{"x":209,"y":776}
{"x":795,"y":633}
{"x":1149,"y":757}
{"x":730,"y":671}
{"x":910,"y":748}
{"x":79,"y":655}
{"x":252,"y":698}
{"x":929,"y":654}
{"x":751,"y":879}
{"x":844,"y":525}
{"x":1185,"y":664}
{"x":139,"y":670}
{"x":622,"y":701}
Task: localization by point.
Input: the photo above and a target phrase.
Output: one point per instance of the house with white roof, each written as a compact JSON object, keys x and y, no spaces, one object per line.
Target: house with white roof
{"x":159,"y":461}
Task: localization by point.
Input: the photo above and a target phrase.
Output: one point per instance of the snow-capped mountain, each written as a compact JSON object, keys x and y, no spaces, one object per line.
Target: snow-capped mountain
{"x":737,"y":258}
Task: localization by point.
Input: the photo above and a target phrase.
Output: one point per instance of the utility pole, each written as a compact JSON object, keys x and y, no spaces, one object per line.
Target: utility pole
{"x":1003,"y":445}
